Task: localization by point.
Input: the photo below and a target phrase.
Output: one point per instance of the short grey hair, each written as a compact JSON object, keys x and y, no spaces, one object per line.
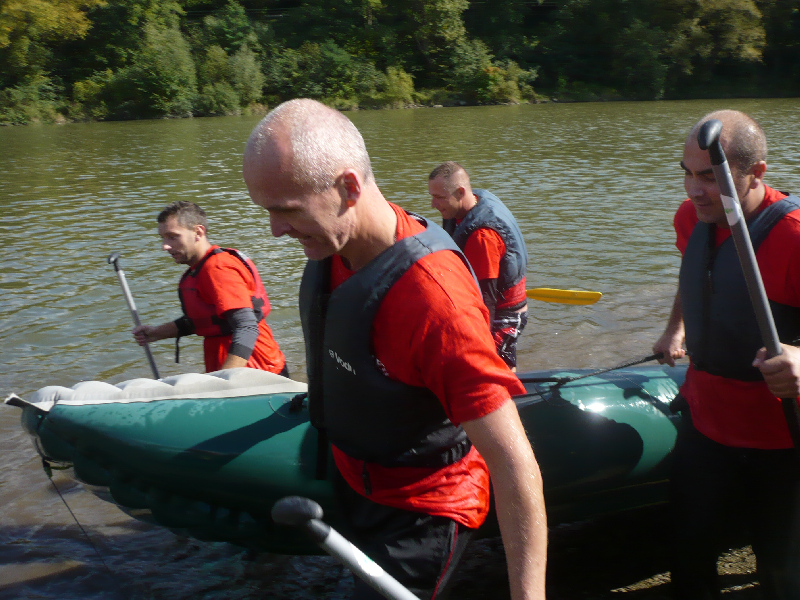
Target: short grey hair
{"x":323,"y":142}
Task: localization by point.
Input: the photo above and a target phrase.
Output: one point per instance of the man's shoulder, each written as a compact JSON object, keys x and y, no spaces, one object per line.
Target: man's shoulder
{"x":440,"y":278}
{"x":224,"y":261}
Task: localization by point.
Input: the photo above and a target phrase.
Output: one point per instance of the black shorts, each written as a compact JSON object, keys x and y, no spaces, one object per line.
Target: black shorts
{"x":506,"y":327}
{"x":421,"y":551}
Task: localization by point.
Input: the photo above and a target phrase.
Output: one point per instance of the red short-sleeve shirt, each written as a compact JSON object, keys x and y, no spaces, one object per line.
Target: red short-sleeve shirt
{"x":484,"y":250}
{"x":432,"y":330}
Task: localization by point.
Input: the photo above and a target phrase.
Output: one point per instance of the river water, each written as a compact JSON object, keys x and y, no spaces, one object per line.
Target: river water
{"x":593,"y":187}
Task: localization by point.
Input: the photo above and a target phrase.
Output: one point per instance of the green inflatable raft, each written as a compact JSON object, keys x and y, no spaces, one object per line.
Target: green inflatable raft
{"x":207,"y":455}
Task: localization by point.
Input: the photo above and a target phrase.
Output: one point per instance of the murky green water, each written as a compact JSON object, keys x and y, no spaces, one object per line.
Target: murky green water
{"x":593,"y":186}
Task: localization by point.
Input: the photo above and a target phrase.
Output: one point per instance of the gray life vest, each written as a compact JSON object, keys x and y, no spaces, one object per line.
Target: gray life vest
{"x":491,"y":213}
{"x":362,"y":411}
{"x":722,"y":334}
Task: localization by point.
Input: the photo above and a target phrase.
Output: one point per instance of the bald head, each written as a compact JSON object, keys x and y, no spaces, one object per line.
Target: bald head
{"x":451,"y":191}
{"x":311,"y":143}
{"x":742,"y":138}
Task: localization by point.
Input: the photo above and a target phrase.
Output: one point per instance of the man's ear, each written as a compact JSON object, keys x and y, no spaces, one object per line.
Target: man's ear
{"x":199,"y":231}
{"x":758,"y":170}
{"x":351,"y":186}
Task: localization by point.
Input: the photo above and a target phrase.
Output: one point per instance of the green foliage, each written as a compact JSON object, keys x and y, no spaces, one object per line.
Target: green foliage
{"x":33,"y":101}
{"x":245,"y":75}
{"x":161,"y":80}
{"x":89,"y":96}
{"x":322,"y":71}
{"x":229,"y":27}
{"x":398,"y":88}
{"x":218,"y":99}
{"x":96,"y":59}
{"x":482,"y":80}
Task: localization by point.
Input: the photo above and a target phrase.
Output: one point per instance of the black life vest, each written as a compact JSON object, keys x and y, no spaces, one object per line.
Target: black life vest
{"x":364,"y":413}
{"x":204,"y":315}
{"x":491,"y":213}
{"x":722,"y":334}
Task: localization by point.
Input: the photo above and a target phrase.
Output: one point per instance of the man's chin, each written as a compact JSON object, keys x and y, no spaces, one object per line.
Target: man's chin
{"x":711,"y":217}
{"x":316,"y":253}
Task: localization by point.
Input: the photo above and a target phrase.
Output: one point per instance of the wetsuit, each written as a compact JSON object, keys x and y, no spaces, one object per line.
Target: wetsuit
{"x":734,"y":466}
{"x":421,"y":324}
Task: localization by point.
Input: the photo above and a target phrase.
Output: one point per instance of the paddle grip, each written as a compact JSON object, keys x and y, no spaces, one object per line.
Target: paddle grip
{"x":297,"y":511}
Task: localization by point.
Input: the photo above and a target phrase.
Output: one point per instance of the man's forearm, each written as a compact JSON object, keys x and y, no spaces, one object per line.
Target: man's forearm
{"x":501,"y":440}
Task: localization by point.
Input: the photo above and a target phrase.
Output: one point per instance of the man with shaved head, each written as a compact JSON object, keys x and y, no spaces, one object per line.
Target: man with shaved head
{"x":490,"y":238}
{"x":404,"y":380}
{"x":735,"y":464}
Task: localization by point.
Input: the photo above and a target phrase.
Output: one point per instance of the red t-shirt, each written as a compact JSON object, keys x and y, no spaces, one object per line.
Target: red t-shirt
{"x":744,"y":413}
{"x":432,"y":330}
{"x":227,"y":284}
{"x":484,"y":249}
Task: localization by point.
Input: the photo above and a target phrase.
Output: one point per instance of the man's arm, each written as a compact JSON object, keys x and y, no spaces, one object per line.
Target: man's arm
{"x":519,"y":499}
{"x":484,"y":249}
{"x":490,"y":295}
{"x":144,"y":334}
{"x":671,"y":341}
{"x":244,"y":328}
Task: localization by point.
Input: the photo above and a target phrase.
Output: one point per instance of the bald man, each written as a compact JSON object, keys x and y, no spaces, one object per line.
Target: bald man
{"x":734,"y":463}
{"x":388,"y":305}
{"x":490,"y":238}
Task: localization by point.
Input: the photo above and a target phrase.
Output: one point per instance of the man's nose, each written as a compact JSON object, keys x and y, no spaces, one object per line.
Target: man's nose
{"x":279,"y":226}
{"x":694,"y":188}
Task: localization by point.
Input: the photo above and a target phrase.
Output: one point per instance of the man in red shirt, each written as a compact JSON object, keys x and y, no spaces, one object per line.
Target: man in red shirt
{"x":222,"y":296}
{"x":490,"y":238}
{"x":404,"y":379}
{"x":734,"y":460}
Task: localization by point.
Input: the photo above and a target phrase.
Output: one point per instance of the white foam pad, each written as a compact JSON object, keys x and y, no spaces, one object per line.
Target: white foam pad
{"x":229,"y":383}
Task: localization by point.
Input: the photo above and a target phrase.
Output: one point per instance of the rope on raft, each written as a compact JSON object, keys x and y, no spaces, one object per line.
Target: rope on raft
{"x":562,"y":380}
{"x":49,"y":467}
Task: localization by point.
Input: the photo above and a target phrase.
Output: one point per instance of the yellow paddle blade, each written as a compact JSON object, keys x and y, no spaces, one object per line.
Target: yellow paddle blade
{"x":563,"y":296}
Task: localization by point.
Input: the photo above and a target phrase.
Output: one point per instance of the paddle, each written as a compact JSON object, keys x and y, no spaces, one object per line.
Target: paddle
{"x":113,"y":259}
{"x":708,"y":139}
{"x":563,"y":296}
{"x":297,"y":511}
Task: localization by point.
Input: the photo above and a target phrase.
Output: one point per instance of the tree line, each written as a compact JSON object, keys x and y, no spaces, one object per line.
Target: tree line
{"x":127,"y":59}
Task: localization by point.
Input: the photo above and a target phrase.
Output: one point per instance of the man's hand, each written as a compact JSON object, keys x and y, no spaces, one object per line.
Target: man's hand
{"x":782,"y":372}
{"x":143,"y":334}
{"x":147,"y":334}
{"x":671,"y":346}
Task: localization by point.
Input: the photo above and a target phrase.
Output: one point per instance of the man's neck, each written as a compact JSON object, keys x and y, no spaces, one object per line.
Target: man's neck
{"x":752,"y":201}
{"x":376,"y":231}
{"x":201,"y":249}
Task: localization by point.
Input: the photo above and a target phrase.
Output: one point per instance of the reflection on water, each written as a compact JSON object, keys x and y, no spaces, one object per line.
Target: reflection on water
{"x":593,"y":186}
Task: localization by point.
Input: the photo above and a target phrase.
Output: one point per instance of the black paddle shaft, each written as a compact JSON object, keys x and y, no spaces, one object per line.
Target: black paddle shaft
{"x":708,"y":138}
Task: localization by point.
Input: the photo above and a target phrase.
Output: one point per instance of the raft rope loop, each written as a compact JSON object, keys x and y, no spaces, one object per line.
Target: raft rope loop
{"x":48,"y":469}
{"x":562,"y":380}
